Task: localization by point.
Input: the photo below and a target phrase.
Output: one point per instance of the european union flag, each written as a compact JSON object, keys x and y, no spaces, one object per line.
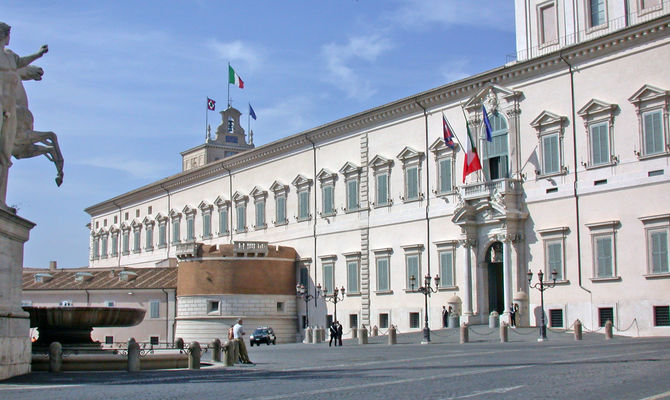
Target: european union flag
{"x":251,"y":112}
{"x":485,"y":116}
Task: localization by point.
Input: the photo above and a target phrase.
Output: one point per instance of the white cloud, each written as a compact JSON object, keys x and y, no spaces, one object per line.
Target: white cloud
{"x":236,"y":51}
{"x":339,"y":58}
{"x":133,"y":167}
{"x":455,"y":69}
{"x":418,"y":14}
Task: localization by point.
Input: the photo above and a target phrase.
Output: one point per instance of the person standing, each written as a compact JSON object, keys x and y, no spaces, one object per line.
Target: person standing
{"x":445,"y":317}
{"x":339,"y":332}
{"x":512,"y":315}
{"x":333,"y":334}
{"x":238,"y":334}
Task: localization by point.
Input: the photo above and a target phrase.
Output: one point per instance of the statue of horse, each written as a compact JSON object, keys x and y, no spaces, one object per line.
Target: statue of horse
{"x":28,"y":142}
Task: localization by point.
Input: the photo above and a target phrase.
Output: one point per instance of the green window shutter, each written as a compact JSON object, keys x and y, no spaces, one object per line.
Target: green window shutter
{"x":550,"y":154}
{"x":328,"y":278}
{"x":659,"y":252}
{"x":604,"y":257}
{"x":352,"y":195}
{"x":223,"y":221}
{"x":241,"y":211}
{"x":327,"y":199}
{"x":260,"y":213}
{"x":303,"y":199}
{"x":382,"y":274}
{"x":190,"y":229}
{"x":412,"y":177}
{"x":207,"y":225}
{"x":413,"y":269}
{"x":555,"y":260}
{"x":600,"y":146}
{"x":281,"y":209}
{"x":382,"y":189}
{"x":445,"y":176}
{"x":446,"y":269}
{"x":653,"y":133}
{"x":352,"y":277}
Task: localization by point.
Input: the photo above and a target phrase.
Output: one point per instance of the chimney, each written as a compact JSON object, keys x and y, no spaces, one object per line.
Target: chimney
{"x":52,"y":265}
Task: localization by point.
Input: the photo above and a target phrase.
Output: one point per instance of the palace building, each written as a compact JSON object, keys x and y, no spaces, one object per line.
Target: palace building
{"x":575,"y":180}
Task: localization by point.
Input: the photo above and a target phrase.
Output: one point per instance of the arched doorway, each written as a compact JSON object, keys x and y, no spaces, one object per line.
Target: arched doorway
{"x":494,"y":261}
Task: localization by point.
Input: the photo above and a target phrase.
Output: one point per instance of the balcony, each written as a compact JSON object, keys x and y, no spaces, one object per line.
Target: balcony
{"x":250,"y":249}
{"x":187,"y":250}
{"x":489,"y":189}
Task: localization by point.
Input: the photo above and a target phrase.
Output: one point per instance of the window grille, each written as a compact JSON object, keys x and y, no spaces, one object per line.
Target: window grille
{"x":662,"y":316}
{"x":556,"y":318}
{"x":605,"y":314}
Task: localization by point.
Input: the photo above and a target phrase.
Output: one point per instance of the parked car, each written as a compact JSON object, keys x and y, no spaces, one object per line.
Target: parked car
{"x":263,"y":334}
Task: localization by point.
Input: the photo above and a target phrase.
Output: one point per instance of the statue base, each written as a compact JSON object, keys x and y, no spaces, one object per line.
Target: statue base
{"x":14,"y":322}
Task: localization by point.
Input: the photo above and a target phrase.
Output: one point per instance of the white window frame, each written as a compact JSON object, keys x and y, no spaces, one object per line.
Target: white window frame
{"x":281,"y":193}
{"x":594,"y":113}
{"x":163,"y":231}
{"x":206,"y":212}
{"x":148,"y":234}
{"x":383,"y":255}
{"x":114,"y":248}
{"x":381,"y":169}
{"x":543,"y":42}
{"x":353,"y":261}
{"x":327,"y":180}
{"x":602,"y":230}
{"x":411,"y":159}
{"x":642,"y":10}
{"x":591,"y":27}
{"x":189,"y":213}
{"x":447,"y":247}
{"x":352,"y":179}
{"x":157,"y":305}
{"x":654,"y":224}
{"x":260,"y":214}
{"x":240,"y":202}
{"x":104,"y":244}
{"x":553,"y":236}
{"x":412,"y":251}
{"x":222,"y":210}
{"x":137,"y":237}
{"x":125,"y":239}
{"x":175,"y":227}
{"x":442,"y":153}
{"x":328,"y":262}
{"x":646,"y":100}
{"x":303,"y":190}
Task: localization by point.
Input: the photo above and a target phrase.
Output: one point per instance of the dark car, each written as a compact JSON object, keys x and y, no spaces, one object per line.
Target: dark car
{"x":263,"y":334}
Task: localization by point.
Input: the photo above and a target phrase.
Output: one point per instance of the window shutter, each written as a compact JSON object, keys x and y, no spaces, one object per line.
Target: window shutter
{"x":328,"y":199}
{"x":555,"y":263}
{"x":445,"y":176}
{"x":281,"y":209}
{"x":352,"y":193}
{"x":382,"y":274}
{"x":413,"y":269}
{"x":352,"y":275}
{"x":659,"y":252}
{"x":446,"y":269}
{"x":382,"y":189}
{"x":550,"y":154}
{"x":412,"y":183}
{"x":604,"y":253}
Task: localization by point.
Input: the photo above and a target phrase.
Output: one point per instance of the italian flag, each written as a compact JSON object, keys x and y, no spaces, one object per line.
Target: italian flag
{"x":234,"y":78}
{"x":471,"y":162}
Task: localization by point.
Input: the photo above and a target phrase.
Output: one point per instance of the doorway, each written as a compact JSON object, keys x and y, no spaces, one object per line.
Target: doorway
{"x":496,"y":294}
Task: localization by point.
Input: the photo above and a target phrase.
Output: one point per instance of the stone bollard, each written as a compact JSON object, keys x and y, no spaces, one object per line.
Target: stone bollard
{"x":578,"y":330}
{"x":363,"y":335}
{"x":216,"y":350}
{"x":608,"y":330}
{"x":464,"y":333}
{"x":229,"y":352}
{"x":194,"y":353}
{"x":317,"y":338}
{"x":179,"y":343}
{"x":375,"y":331}
{"x":493,"y":319}
{"x":354,"y":333}
{"x":453,"y":321}
{"x":55,"y":357}
{"x":503,"y":333}
{"x":393,"y":339}
{"x":133,"y":355}
{"x":308,"y":335}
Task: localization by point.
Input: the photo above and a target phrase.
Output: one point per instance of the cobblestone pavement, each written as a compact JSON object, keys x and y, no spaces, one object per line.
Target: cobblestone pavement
{"x":560,"y":368}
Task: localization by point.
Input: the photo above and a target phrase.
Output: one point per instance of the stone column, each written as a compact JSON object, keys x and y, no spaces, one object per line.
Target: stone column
{"x":507,"y":275}
{"x":14,"y":322}
{"x":468,"y":244}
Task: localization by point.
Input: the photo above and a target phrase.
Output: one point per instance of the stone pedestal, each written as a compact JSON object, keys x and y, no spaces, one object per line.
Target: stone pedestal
{"x":14,"y":322}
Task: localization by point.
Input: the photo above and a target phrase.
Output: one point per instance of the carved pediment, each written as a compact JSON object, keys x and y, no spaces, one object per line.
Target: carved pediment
{"x":221,"y":202}
{"x":148,"y":221}
{"x":174,"y":214}
{"x":595,"y":107}
{"x":378,"y":162}
{"x":649,"y":93}
{"x":439,"y":147}
{"x":240,"y":197}
{"x":188,"y":209}
{"x":350,"y":169}
{"x":136,"y":223}
{"x":409,"y":154}
{"x":301,"y":181}
{"x":326,"y":175}
{"x":546,"y":119}
{"x":278,"y":187}
{"x":258,"y":192}
{"x":204,"y":205}
{"x":491,"y":96}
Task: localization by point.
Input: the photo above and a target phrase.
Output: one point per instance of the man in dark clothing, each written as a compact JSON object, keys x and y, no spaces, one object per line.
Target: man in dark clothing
{"x":339,"y":333}
{"x":333,"y":334}
{"x":445,"y":317}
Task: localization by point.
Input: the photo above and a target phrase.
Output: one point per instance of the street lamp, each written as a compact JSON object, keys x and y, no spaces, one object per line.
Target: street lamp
{"x":333,"y":298}
{"x":541,"y":286}
{"x":426,"y":289}
{"x":301,"y":291}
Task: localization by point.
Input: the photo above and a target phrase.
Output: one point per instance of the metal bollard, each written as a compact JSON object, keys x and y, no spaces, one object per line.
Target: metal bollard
{"x":392,"y":334}
{"x":133,"y":356}
{"x":55,"y":357}
{"x":194,"y":353}
{"x":578,"y":330}
{"x":375,"y":331}
{"x":216,"y":350}
{"x":308,"y":335}
{"x":608,"y":330}
{"x":464,"y":333}
{"x":363,"y":335}
{"x":503,"y":333}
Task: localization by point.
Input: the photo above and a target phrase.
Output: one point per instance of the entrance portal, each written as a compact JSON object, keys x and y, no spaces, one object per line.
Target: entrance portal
{"x":495,"y":278}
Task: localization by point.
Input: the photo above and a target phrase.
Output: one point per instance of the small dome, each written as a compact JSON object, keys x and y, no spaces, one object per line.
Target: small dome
{"x":454,"y":299}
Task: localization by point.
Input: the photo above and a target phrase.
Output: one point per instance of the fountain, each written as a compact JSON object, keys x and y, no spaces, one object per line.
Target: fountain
{"x":73,"y":325}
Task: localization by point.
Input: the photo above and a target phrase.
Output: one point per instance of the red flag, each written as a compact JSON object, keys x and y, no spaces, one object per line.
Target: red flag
{"x":448,"y":133}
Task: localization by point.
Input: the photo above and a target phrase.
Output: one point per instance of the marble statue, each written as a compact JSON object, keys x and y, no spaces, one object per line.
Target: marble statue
{"x":11,"y":87}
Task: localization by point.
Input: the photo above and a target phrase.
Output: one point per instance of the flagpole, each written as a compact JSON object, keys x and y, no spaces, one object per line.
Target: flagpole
{"x":228,"y":84}
{"x":249,"y":120}
{"x":206,"y":116}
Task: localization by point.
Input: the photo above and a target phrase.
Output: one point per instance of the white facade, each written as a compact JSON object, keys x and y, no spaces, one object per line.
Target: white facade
{"x":575,"y":179}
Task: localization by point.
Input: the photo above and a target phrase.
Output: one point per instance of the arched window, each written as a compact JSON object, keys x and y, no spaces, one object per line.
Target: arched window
{"x":496,"y":152}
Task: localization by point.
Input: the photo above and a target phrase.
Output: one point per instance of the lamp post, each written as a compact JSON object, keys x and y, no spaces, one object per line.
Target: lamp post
{"x":333,"y":298}
{"x":426,"y":289}
{"x":301,"y":291}
{"x":541,"y":286}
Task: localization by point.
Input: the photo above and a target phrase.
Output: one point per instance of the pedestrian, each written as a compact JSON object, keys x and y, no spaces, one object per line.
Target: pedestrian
{"x":238,"y":335}
{"x":339,"y":332}
{"x":512,"y":315}
{"x":445,"y":317}
{"x":333,"y":334}
{"x":517,"y":314}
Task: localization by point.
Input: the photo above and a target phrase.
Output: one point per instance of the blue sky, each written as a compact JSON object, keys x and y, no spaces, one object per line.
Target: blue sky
{"x":126,"y":81}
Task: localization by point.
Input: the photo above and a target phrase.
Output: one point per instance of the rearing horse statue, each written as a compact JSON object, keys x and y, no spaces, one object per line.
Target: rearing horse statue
{"x":28,"y":142}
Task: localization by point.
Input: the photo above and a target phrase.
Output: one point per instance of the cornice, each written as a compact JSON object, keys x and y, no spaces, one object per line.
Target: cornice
{"x":435,"y":98}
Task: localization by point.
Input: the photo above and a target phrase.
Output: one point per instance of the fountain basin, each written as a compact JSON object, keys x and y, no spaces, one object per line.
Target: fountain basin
{"x":73,"y":325}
